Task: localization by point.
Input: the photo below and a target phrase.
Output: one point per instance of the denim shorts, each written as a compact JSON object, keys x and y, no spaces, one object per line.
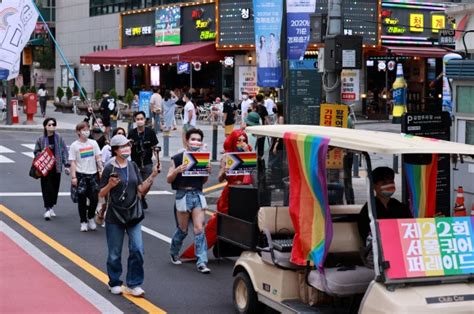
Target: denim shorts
{"x":187,"y":200}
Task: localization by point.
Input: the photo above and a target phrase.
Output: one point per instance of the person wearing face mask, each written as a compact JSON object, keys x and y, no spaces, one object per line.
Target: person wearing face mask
{"x":245,"y":105}
{"x":386,"y":207}
{"x":98,"y":134}
{"x":86,"y":167}
{"x":121,"y":183}
{"x":190,"y":203}
{"x":237,"y":141}
{"x":143,"y":140}
{"x":50,"y":183}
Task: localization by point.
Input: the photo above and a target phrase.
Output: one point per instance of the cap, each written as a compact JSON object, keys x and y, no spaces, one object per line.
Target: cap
{"x":252,"y":119}
{"x":119,"y":140}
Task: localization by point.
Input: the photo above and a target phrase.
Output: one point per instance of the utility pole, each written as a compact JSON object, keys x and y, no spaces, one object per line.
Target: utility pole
{"x":332,"y":79}
{"x":8,"y":90}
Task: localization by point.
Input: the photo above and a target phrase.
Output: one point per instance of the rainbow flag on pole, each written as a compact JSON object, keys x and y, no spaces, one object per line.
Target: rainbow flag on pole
{"x":309,"y":206}
{"x":421,"y":186}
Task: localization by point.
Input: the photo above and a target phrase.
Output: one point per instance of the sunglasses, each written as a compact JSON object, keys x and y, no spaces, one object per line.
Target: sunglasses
{"x":51,"y":124}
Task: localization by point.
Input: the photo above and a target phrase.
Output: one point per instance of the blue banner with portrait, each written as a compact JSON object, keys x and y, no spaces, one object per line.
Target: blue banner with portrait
{"x":144,"y":102}
{"x":298,"y":27}
{"x":267,"y":23}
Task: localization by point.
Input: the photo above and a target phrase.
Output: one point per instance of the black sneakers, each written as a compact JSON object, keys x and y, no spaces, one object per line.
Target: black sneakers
{"x":203,"y":269}
{"x":175,"y":260}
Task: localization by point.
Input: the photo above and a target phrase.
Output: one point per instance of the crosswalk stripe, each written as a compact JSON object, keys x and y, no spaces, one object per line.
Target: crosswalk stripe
{"x":29,"y":146}
{"x":5,"y":160}
{"x":4,"y":150}
{"x":4,"y":194}
{"x":29,"y":154}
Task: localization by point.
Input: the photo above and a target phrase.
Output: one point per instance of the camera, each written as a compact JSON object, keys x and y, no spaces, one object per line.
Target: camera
{"x":157,"y":149}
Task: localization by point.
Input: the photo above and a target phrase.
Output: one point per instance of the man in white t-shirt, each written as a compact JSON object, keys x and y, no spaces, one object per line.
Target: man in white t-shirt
{"x":86,"y":166}
{"x":189,"y":115}
{"x":156,"y":103}
{"x":269,"y":105}
{"x":245,"y":105}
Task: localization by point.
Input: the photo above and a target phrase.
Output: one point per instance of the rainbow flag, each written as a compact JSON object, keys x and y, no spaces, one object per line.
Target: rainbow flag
{"x":421,"y":186}
{"x":196,"y":164}
{"x":86,"y":152}
{"x":309,"y":206}
{"x":239,"y":163}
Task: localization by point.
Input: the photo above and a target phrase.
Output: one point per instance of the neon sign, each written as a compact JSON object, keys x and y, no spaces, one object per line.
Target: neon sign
{"x":203,"y":25}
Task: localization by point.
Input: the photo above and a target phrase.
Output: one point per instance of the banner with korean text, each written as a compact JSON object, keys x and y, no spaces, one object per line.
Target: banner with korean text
{"x":268,"y":16}
{"x":335,"y":116}
{"x":428,"y":247}
{"x":297,"y":26}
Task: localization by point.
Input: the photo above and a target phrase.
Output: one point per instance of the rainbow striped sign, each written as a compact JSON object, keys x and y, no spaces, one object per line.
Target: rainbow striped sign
{"x":240,"y":163}
{"x":309,"y":206}
{"x":428,"y":247}
{"x":196,"y":164}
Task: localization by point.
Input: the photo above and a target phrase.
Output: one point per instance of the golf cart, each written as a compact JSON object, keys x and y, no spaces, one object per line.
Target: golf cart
{"x":301,"y":253}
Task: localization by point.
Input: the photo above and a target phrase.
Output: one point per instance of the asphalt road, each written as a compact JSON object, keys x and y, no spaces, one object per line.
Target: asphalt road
{"x":175,"y":289}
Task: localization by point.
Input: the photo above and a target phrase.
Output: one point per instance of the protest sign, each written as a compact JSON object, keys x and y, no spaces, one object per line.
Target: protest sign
{"x":196,"y":164}
{"x":240,"y":163}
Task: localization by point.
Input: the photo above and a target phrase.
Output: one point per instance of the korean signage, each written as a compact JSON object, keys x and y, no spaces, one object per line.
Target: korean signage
{"x":138,"y":29}
{"x":248,"y":80}
{"x":427,"y":247}
{"x":298,"y":28}
{"x":198,"y":23}
{"x":235,"y":27}
{"x":350,"y":82}
{"x":412,"y":24}
{"x":335,"y":116}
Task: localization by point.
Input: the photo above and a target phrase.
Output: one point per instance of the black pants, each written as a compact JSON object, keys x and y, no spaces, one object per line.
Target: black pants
{"x":42,"y":101}
{"x":50,"y":188}
{"x":87,"y":212}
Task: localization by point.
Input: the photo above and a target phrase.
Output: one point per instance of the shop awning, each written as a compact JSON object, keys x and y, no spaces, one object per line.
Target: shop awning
{"x":417,"y":51}
{"x":196,"y":52}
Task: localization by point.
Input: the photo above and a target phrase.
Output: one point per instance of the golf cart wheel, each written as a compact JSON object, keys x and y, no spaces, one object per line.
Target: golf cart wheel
{"x":244,"y":295}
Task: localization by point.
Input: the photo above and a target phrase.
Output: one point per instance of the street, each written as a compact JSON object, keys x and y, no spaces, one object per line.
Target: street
{"x":174,"y":289}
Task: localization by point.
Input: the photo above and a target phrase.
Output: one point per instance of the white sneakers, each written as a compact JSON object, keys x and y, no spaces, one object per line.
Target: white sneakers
{"x":91,"y":224}
{"x":116,"y":290}
{"x":83,"y":226}
{"x":136,"y":292}
{"x":52,"y":213}
{"x":47,"y":215}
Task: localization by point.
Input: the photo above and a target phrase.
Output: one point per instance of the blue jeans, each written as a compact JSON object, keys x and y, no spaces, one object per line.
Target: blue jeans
{"x":200,"y":245}
{"x":115,"y":235}
{"x":156,"y":117}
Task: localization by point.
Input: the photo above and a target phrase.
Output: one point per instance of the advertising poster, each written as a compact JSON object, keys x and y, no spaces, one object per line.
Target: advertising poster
{"x":144,"y":102}
{"x":267,"y":24}
{"x":17,"y":22}
{"x":298,"y":26}
{"x":240,"y":163}
{"x":248,"y":80}
{"x":335,"y":116}
{"x":155,"y":75}
{"x":196,"y":164}
{"x":350,"y":83}
{"x":427,"y":247}
{"x":183,"y":67}
{"x":168,"y":26}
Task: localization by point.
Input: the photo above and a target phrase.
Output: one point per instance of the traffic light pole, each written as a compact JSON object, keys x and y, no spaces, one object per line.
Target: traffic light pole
{"x":332,"y":79}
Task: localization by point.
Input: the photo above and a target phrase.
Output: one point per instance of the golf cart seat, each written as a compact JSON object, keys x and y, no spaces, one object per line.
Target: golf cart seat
{"x":343,"y":280}
{"x":275,"y":223}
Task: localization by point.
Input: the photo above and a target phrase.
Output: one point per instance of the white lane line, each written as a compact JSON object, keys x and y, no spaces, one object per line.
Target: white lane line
{"x":156,"y":234}
{"x":5,"y":160}
{"x":101,"y":303}
{"x":5,"y":150}
{"x":14,"y":194}
{"x":29,"y":146}
{"x":29,"y":154}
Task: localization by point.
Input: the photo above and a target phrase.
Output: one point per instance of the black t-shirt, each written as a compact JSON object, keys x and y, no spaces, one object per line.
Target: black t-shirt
{"x":51,"y":143}
{"x":142,"y":148}
{"x":105,"y":110}
{"x":230,"y":110}
{"x":131,"y":175}
{"x":262,"y":112}
{"x":394,"y":210}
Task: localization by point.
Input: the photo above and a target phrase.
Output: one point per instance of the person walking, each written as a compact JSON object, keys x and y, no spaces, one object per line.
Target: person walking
{"x":169,"y":108}
{"x":107,"y":108}
{"x":50,"y":183}
{"x":189,"y":116}
{"x":86,"y":167}
{"x":122,"y":184}
{"x":271,"y":108}
{"x":43,"y":99}
{"x":144,"y":141}
{"x":228,"y":114}
{"x":156,"y":103}
{"x":190,"y":203}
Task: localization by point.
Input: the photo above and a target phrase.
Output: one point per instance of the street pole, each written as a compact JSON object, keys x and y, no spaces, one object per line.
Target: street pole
{"x":332,"y":79}
{"x":7,"y":85}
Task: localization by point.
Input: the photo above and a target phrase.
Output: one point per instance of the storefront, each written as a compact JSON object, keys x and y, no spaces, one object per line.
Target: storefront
{"x":409,"y":35}
{"x":167,"y":46}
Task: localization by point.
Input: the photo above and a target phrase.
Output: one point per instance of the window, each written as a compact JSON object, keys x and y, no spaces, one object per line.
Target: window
{"x":100,"y":7}
{"x":464,"y":97}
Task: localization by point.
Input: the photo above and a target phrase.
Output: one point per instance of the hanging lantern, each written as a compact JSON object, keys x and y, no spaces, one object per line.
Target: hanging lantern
{"x":96,"y":67}
{"x":106,"y":67}
{"x":197,"y":66}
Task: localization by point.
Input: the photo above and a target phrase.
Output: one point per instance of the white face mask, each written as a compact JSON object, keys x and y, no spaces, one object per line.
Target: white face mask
{"x":245,"y":97}
{"x":140,"y":123}
{"x":86,"y":133}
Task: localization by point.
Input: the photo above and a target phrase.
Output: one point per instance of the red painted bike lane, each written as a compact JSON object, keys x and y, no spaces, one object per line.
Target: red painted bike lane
{"x":26,"y":286}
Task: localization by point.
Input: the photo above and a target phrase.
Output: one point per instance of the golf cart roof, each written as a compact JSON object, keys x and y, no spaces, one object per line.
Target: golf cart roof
{"x":369,"y":141}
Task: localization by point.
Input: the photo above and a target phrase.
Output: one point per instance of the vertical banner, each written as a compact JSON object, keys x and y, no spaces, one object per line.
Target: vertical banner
{"x":350,"y":81}
{"x":248,"y":80}
{"x":144,"y":102}
{"x":267,"y":22}
{"x":297,"y":26}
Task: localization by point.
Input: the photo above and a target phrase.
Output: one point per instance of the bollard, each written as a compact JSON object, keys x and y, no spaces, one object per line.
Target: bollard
{"x":166,"y":143}
{"x":355,"y":166}
{"x":214,"y":142}
{"x":395,"y":163}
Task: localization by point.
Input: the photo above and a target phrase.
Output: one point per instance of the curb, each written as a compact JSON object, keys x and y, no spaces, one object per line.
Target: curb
{"x":26,"y":128}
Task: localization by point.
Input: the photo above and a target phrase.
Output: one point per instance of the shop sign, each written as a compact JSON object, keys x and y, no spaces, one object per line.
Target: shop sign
{"x":427,"y":247}
{"x":139,"y":30}
{"x":446,"y":37}
{"x":198,"y":23}
{"x":245,"y":13}
{"x":183,"y":67}
{"x":416,"y":23}
{"x":234,"y":13}
{"x":335,"y":116}
{"x":350,"y":85}
{"x":203,"y":24}
{"x":437,"y":22}
{"x":248,"y":80}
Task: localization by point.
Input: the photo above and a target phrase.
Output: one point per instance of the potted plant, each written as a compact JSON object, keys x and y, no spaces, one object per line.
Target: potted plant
{"x":33,"y":89}
{"x":16,"y":90}
{"x":83,"y":104}
{"x":126,"y":110}
{"x":68,"y":107}
{"x":58,"y":99}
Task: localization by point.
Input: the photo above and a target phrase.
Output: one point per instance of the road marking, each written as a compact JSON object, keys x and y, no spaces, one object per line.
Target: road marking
{"x":29,"y":154}
{"x":29,"y":146}
{"x":5,"y":150}
{"x":156,"y":234}
{"x":101,"y":303}
{"x":5,"y":160}
{"x":15,"y":194}
{"x":92,"y":270}
{"x":214,"y":187}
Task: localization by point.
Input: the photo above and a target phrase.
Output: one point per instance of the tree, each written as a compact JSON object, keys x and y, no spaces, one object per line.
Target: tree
{"x":59,"y":93}
{"x":68,"y":93}
{"x":24,"y":89}
{"x":128,"y":96}
{"x":16,"y":90}
{"x":98,"y":95}
{"x":33,"y":89}
{"x":113,"y":93}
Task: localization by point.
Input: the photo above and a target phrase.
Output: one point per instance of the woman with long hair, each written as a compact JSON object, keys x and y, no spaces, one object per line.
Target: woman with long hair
{"x":50,"y":183}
